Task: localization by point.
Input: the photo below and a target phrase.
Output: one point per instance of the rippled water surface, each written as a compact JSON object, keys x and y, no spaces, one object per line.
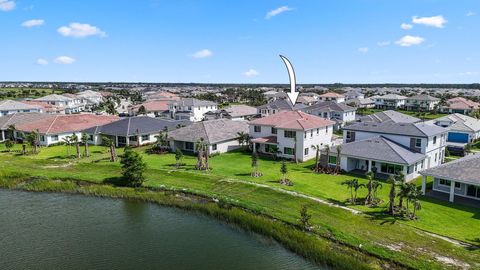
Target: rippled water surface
{"x":59,"y":231}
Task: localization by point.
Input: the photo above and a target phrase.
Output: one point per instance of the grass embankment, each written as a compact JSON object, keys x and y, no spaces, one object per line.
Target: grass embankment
{"x":373,"y":233}
{"x":310,"y":246}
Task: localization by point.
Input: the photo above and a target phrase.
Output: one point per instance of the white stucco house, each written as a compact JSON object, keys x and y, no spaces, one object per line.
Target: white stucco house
{"x":390,"y":101}
{"x":191,"y":109}
{"x":11,"y":106}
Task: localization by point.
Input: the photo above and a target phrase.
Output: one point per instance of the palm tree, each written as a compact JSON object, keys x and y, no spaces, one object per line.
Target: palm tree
{"x":369,"y":198}
{"x":243,"y":138}
{"x":68,"y":142}
{"x":32,"y":140}
{"x":327,"y":148}
{"x":74,"y":140}
{"x":392,"y":194}
{"x":200,"y":146}
{"x":354,"y":186}
{"x":317,"y":157}
{"x":295,"y":149}
{"x":9,"y":145}
{"x":255,"y":172}
{"x":284,"y":171}
{"x":416,"y":202}
{"x":162,"y":139}
{"x":178,"y":157}
{"x":84,"y":140}
{"x":375,"y":186}
{"x":106,"y":141}
{"x":11,"y":130}
{"x":337,"y":165}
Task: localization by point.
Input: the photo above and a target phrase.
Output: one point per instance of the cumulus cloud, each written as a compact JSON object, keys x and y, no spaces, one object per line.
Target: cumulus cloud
{"x":470,"y":14}
{"x":277,"y":11}
{"x":41,"y":61}
{"x":6,"y":5}
{"x":202,"y":54}
{"x":434,"y":21}
{"x":80,"y":30}
{"x":407,"y":41}
{"x":363,"y":50}
{"x":251,"y":73}
{"x":406,"y":26}
{"x":64,"y":60}
{"x":32,"y":23}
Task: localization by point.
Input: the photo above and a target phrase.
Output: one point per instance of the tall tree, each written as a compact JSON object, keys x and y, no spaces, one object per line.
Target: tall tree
{"x":9,"y":145}
{"x":337,"y":165}
{"x":305,"y":218}
{"x":68,"y":142}
{"x":369,"y":198}
{"x":392,"y":194}
{"x":243,"y":138}
{"x":178,"y":157}
{"x":284,"y":170}
{"x":32,"y":139}
{"x":75,"y":141}
{"x":11,"y":131}
{"x":255,"y":172}
{"x":200,"y":147}
{"x":317,"y":157}
{"x":84,"y":139}
{"x":133,"y":168}
{"x":354,"y":186}
{"x":107,"y":142}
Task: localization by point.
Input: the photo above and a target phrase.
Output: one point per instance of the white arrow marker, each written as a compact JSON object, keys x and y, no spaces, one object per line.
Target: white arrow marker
{"x":293,"y":95}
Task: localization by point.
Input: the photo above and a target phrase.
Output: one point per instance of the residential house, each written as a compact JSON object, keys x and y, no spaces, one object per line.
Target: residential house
{"x":153,"y":108}
{"x":191,"y":109}
{"x":9,"y":122}
{"x":11,"y":106}
{"x":421,"y":103}
{"x":332,"y":96}
{"x":458,"y":178}
{"x":277,"y":106}
{"x":388,"y":116}
{"x":462,"y":129}
{"x":221,"y":135}
{"x":55,"y":128}
{"x":414,"y":138}
{"x":460,"y":105}
{"x":91,"y":97}
{"x":366,"y":103}
{"x":233,"y":112}
{"x":390,"y":101}
{"x":337,"y":112}
{"x":132,"y":131}
{"x":69,"y":105}
{"x":291,"y":134}
{"x":274,"y":95}
{"x":163,"y":96}
{"x":354,"y":94}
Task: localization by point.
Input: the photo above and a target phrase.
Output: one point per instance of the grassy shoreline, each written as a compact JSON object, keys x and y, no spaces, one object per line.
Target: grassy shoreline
{"x":312,"y":247}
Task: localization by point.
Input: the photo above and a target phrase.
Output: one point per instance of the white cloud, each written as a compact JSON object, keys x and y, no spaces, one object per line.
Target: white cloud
{"x":41,"y":61}
{"x":469,"y":73}
{"x":470,"y":13}
{"x":434,"y":21}
{"x":80,"y":30}
{"x":251,"y":73}
{"x":64,"y":60}
{"x":202,"y":54}
{"x":383,"y":43}
{"x":277,"y":11}
{"x":32,"y":23}
{"x":363,"y":50}
{"x":407,"y":41}
{"x":406,"y":26}
{"x":6,"y":5}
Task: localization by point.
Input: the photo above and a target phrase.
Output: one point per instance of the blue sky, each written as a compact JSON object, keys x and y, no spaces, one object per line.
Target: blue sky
{"x":238,"y":41}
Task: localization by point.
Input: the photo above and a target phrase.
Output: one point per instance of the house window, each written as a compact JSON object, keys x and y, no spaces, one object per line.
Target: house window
{"x":326,"y":130}
{"x":332,"y":160}
{"x":447,"y":183}
{"x":42,"y":138}
{"x":289,"y":134}
{"x":288,"y":151}
{"x":306,"y":152}
{"x":214,"y":147}
{"x":434,"y":139}
{"x":189,"y":146}
{"x":391,"y":168}
{"x":318,"y":131}
{"x":133,"y":138}
{"x":257,"y":129}
{"x":54,"y":138}
{"x":473,"y":191}
{"x":274,"y":130}
{"x":145,"y":137}
{"x":305,"y":135}
{"x":418,"y":143}
{"x":90,"y":137}
{"x":311,"y":133}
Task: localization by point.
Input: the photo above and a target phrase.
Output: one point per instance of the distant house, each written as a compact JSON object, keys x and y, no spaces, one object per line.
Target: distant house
{"x":291,"y":134}
{"x":277,"y":106}
{"x":361,"y":103}
{"x":332,"y":96}
{"x":191,"y":109}
{"x":233,"y":112}
{"x":354,"y":94}
{"x":17,"y":119}
{"x":460,"y":105}
{"x":69,"y":105}
{"x":337,"y":112}
{"x":11,"y":106}
{"x":91,"y":97}
{"x":162,"y":96}
{"x":306,"y":100}
{"x":274,"y":95}
{"x":54,"y":128}
{"x":390,"y":101}
{"x":388,"y":116}
{"x":421,"y":103}
{"x":132,"y":131}
{"x":459,"y":178}
{"x":153,"y":108}
{"x":426,"y":139}
{"x":221,"y":135}
{"x":462,"y":129}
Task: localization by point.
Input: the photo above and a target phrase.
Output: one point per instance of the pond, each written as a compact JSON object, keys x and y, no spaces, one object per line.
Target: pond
{"x":61,"y":231}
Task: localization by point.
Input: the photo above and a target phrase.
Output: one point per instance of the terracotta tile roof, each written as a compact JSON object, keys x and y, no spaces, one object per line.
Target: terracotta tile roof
{"x":152,"y":106}
{"x":462,"y":103}
{"x":47,"y":108}
{"x":58,"y":124}
{"x":269,"y":139}
{"x":293,"y":120}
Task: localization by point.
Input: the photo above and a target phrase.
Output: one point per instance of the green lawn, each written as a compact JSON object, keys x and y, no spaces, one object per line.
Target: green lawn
{"x":14,"y":93}
{"x":394,"y":239}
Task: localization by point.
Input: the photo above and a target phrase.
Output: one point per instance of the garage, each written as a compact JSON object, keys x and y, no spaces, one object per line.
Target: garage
{"x":458,"y":137}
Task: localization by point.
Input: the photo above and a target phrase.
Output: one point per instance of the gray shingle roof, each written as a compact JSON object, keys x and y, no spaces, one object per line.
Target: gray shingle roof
{"x":20,"y":119}
{"x":54,"y":97}
{"x":407,"y":129}
{"x":460,"y":122}
{"x":132,"y":126}
{"x":12,"y":105}
{"x":281,"y":105}
{"x":389,"y":116}
{"x":328,"y":106}
{"x":466,"y":169}
{"x":381,"y":149}
{"x":392,"y":96}
{"x":212,"y":131}
{"x":423,"y":98}
{"x":193,"y":102}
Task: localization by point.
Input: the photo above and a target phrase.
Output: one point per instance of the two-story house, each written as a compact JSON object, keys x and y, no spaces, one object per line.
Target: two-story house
{"x":460,"y":105}
{"x":421,"y":103}
{"x":11,"y":106}
{"x":332,"y":96}
{"x":337,"y":112}
{"x":390,"y":101}
{"x":290,"y":134}
{"x":389,"y":148}
{"x":191,"y":109}
{"x":279,"y":105}
{"x":354,"y":94}
{"x":68,"y":104}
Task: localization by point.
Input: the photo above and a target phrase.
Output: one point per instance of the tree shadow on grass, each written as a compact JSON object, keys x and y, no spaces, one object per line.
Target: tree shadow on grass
{"x":383,"y":217}
{"x":116,"y":181}
{"x":243,"y":174}
{"x":61,"y":157}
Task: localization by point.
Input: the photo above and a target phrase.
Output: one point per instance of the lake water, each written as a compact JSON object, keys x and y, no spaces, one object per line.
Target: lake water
{"x":60,"y":231}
